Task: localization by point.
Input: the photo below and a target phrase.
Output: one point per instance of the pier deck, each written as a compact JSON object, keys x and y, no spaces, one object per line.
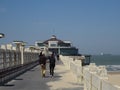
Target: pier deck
{"x":31,"y":80}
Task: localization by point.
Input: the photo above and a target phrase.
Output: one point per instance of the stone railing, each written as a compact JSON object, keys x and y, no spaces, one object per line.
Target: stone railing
{"x":14,"y":62}
{"x":93,"y":77}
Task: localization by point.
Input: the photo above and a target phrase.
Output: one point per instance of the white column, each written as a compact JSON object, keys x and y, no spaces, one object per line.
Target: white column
{"x":22,"y":56}
{"x":59,"y":50}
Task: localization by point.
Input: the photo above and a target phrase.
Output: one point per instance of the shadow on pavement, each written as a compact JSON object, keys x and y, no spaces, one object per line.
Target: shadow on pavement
{"x":32,"y":80}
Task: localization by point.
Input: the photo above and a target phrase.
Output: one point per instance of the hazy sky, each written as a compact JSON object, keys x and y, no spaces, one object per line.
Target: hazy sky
{"x":93,"y":26}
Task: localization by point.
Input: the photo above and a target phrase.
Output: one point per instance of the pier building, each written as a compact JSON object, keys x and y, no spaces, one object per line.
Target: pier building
{"x":58,"y":46}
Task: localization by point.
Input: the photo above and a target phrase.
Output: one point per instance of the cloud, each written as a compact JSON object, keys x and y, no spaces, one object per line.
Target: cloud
{"x":3,"y":10}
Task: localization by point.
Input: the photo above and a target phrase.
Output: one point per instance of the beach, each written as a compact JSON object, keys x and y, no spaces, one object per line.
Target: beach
{"x":114,"y":78}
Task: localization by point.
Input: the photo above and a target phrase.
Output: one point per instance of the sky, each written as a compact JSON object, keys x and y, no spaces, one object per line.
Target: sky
{"x":93,"y":26}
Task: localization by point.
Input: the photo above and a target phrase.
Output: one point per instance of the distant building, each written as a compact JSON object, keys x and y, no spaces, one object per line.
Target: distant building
{"x":58,"y":46}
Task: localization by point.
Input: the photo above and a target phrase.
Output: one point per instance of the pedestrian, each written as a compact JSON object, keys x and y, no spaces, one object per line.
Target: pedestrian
{"x":52,"y":61}
{"x":58,"y":57}
{"x":42,"y":62}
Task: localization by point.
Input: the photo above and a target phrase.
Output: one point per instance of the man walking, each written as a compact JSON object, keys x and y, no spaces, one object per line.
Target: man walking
{"x":52,"y":64}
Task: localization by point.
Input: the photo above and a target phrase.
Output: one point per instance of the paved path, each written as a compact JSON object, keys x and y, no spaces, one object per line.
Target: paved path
{"x":32,"y":80}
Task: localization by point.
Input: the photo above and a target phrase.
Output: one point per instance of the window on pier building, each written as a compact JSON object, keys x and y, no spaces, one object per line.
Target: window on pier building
{"x":40,"y":44}
{"x":65,"y":44}
{"x":53,"y":45}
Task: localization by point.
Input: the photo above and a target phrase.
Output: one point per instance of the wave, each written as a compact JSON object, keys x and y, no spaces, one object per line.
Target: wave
{"x":113,"y":68}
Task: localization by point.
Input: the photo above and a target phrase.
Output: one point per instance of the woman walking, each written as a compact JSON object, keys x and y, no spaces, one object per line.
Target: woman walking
{"x":42,"y":62}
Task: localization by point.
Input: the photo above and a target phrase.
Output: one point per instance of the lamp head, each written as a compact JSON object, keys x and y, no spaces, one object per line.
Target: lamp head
{"x":2,"y":35}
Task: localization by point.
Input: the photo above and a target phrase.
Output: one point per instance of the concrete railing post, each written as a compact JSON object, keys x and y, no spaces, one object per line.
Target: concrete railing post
{"x":20,"y":48}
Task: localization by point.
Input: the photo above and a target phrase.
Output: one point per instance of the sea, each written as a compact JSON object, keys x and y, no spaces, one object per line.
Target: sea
{"x":112,"y":62}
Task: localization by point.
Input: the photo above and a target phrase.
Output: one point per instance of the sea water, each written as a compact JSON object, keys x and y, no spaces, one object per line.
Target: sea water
{"x":112,"y":62}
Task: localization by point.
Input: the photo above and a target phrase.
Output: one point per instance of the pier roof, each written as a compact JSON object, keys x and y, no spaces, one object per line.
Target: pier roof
{"x":53,"y":38}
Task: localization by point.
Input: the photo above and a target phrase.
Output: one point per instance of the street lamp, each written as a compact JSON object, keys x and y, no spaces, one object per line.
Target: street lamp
{"x":2,"y":35}
{"x":20,"y":47}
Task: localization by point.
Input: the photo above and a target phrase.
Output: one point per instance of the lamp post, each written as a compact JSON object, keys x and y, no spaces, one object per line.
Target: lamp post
{"x":2,"y":35}
{"x":20,"y":45}
{"x":4,"y":61}
{"x":34,"y":48}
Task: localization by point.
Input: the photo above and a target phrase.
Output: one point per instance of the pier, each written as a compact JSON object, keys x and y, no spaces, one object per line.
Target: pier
{"x":20,"y":70}
{"x":63,"y":79}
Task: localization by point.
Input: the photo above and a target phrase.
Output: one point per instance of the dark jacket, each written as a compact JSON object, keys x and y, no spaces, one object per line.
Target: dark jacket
{"x":52,"y":60}
{"x":42,"y":59}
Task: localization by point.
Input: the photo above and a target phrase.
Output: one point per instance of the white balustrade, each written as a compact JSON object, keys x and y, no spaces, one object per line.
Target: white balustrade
{"x":92,"y":76}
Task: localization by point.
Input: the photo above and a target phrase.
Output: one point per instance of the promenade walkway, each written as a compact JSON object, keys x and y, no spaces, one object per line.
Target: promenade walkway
{"x":31,"y":80}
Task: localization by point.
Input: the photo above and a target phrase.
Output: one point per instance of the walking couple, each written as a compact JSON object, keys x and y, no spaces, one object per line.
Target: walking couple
{"x":42,"y":61}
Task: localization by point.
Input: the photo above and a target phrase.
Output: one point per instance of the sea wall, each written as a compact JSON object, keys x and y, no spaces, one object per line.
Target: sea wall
{"x":92,"y":76}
